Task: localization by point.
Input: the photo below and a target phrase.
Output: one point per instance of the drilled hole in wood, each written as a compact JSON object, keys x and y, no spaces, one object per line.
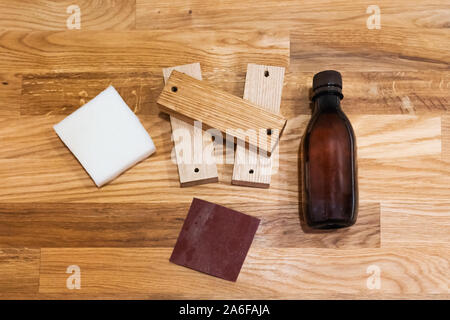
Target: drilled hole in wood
{"x":5,"y":83}
{"x":196,"y":170}
{"x":269,"y":132}
{"x":174,"y":89}
{"x":266,"y":73}
{"x":213,"y":138}
{"x":251,"y":171}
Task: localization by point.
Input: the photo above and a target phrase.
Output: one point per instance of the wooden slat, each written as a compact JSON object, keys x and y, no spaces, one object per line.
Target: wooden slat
{"x":195,"y":100}
{"x":10,"y":94}
{"x":199,"y":169}
{"x":263,"y":87}
{"x":57,"y":225}
{"x":415,"y":224}
{"x":52,"y":15}
{"x":19,"y":270}
{"x":106,"y":51}
{"x":286,"y":273}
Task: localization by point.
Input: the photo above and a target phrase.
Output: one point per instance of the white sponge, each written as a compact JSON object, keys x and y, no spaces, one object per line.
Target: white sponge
{"x":105,"y":136}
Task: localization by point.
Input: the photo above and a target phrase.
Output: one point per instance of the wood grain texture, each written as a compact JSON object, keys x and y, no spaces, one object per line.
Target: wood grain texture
{"x":193,"y":100}
{"x":297,"y":273}
{"x":414,"y":173}
{"x":106,"y":51}
{"x":415,"y":224}
{"x":10,"y":94}
{"x":263,"y":87}
{"x":152,"y":225}
{"x":19,"y":270}
{"x":410,"y":37}
{"x":193,"y":168}
{"x":52,"y":14}
{"x":396,"y":85}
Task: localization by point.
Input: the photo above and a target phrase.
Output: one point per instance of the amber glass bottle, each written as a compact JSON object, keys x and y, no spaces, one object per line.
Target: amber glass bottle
{"x":330,"y":180}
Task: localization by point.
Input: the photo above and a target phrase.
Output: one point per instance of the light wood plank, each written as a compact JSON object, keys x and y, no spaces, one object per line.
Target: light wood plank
{"x":27,"y":177}
{"x":192,"y":169}
{"x":52,"y":15}
{"x":19,"y":270}
{"x":106,"y":51}
{"x":192,"y":100}
{"x":280,"y":273}
{"x":415,"y":224}
{"x":154,"y":225}
{"x":263,"y":87}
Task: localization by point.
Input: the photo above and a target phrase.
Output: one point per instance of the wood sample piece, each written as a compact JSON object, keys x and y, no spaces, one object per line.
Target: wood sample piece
{"x":263,"y":86}
{"x":190,"y":99}
{"x":190,"y":171}
{"x":214,"y":240}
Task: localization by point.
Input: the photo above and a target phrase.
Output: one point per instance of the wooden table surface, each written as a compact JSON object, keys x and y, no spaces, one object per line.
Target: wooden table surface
{"x":397,"y":95}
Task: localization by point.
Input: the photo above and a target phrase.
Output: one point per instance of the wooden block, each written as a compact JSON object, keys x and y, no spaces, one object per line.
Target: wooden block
{"x":263,"y":87}
{"x":415,"y":223}
{"x":191,"y":99}
{"x":267,"y":273}
{"x":19,"y":270}
{"x":214,"y":240}
{"x":192,"y":169}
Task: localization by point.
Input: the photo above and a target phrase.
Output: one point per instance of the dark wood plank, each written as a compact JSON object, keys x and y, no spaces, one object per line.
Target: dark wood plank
{"x":157,"y":225}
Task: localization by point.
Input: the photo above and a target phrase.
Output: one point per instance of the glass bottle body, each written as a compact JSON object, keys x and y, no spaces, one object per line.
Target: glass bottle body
{"x":330,"y":184}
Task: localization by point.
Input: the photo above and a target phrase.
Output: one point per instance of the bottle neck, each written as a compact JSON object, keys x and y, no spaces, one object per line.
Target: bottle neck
{"x":327,"y":102}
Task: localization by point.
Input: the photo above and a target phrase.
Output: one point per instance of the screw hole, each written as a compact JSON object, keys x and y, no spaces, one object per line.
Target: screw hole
{"x":5,"y":83}
{"x":266,"y":73}
{"x":269,"y":132}
{"x":213,"y":138}
{"x":174,"y":89}
{"x":251,"y":171}
{"x":190,"y":11}
{"x":196,"y":170}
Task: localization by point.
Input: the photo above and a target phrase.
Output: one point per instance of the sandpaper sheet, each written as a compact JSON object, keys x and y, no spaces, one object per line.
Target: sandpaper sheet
{"x":214,"y":240}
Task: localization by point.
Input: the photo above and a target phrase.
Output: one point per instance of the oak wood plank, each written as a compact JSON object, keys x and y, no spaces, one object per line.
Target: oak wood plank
{"x":263,"y":87}
{"x":415,"y":224}
{"x":193,"y":169}
{"x":10,"y":94}
{"x":58,"y":225}
{"x":53,"y":15}
{"x":193,"y":100}
{"x":19,"y":270}
{"x":106,"y":51}
{"x":266,"y":273}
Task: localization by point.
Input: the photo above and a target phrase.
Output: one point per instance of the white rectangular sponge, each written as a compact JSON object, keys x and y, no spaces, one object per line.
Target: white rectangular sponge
{"x":105,"y":136}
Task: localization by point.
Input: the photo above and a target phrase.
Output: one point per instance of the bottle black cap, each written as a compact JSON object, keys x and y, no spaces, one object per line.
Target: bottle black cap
{"x":327,"y":81}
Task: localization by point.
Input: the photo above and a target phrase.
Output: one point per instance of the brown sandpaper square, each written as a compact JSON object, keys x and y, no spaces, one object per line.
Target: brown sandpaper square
{"x":214,"y":240}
